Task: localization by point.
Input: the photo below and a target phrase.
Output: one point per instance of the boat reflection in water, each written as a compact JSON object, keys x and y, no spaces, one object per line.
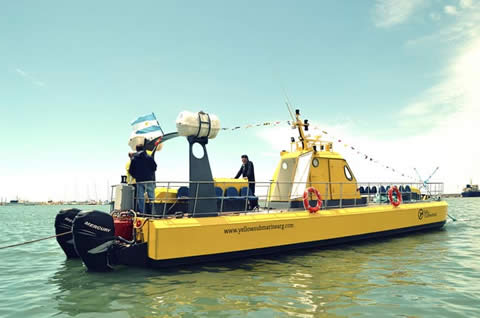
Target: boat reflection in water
{"x":336,"y":280}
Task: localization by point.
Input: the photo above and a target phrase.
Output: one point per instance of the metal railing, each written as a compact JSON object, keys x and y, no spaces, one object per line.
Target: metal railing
{"x":173,"y":197}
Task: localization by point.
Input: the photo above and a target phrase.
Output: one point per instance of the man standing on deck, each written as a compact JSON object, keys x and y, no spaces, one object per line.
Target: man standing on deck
{"x":247,"y":172}
{"x":143,"y":168}
{"x":131,"y":180}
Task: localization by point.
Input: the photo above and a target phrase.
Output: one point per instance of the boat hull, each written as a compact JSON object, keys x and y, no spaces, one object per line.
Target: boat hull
{"x":470,"y":194}
{"x":190,"y":240}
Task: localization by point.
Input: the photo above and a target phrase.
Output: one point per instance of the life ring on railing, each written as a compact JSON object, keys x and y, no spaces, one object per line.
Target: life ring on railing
{"x":306,"y":203}
{"x":399,"y":196}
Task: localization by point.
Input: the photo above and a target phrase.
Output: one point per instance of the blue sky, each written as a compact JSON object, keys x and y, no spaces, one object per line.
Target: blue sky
{"x":386,"y":75}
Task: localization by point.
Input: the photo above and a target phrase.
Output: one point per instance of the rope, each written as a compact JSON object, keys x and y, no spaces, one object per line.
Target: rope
{"x":453,"y":219}
{"x":37,"y":240}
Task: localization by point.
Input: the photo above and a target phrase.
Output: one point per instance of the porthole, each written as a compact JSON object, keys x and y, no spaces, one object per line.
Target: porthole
{"x":197,"y":151}
{"x":284,"y":166}
{"x":315,"y":162}
{"x":348,"y":173}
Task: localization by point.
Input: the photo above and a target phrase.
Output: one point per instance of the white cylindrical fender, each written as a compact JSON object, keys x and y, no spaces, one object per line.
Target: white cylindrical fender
{"x":197,"y":124}
{"x":135,"y":140}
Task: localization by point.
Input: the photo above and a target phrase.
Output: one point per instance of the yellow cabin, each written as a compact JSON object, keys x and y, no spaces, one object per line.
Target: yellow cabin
{"x":313,"y":163}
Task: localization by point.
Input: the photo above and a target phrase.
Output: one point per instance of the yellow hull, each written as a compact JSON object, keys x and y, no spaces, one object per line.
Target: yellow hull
{"x":189,"y":239}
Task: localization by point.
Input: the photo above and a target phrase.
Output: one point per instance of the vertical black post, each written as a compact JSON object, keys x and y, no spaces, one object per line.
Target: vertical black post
{"x":202,"y":191}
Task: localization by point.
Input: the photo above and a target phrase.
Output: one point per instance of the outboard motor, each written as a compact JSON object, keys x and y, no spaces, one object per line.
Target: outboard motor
{"x":93,"y":237}
{"x":63,"y":224}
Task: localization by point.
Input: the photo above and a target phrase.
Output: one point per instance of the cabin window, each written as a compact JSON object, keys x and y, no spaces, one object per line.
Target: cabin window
{"x":348,"y":173}
{"x":315,"y":162}
{"x":284,"y":166}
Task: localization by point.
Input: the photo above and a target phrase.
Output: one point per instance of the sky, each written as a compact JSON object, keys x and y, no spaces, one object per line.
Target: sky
{"x":397,"y":79}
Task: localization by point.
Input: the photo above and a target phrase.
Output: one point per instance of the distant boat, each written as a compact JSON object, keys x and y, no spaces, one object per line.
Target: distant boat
{"x":16,"y":201}
{"x":471,"y":190}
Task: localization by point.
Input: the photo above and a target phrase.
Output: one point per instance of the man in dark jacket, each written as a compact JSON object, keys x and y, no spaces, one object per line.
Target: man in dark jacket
{"x":247,"y":172}
{"x":143,"y":168}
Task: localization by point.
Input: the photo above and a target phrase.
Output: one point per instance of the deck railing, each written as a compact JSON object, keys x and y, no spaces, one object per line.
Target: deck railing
{"x":174,"y":196}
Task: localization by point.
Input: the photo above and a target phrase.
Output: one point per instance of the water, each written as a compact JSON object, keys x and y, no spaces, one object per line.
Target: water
{"x":434,"y":274}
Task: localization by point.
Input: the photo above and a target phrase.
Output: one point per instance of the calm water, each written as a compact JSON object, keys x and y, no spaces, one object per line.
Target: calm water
{"x":422,"y":275}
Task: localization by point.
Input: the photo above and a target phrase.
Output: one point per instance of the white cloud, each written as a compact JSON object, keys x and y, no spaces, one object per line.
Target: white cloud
{"x":451,"y":10}
{"x":29,"y":77}
{"x":466,"y":27}
{"x":466,"y":3}
{"x":448,"y":112}
{"x":22,"y":73}
{"x":450,"y":109}
{"x":457,"y":88}
{"x":392,"y":12}
{"x":434,"y":16}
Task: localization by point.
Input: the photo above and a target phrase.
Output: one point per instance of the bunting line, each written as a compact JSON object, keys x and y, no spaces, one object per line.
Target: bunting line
{"x":349,"y":147}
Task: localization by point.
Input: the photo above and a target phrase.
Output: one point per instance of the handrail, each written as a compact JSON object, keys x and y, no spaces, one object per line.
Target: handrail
{"x":335,"y":195}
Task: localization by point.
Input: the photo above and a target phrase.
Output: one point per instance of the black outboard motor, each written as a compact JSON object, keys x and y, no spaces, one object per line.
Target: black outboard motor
{"x":93,"y":238}
{"x":63,"y":224}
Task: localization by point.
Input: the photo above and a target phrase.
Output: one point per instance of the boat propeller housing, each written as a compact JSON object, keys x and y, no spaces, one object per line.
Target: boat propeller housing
{"x":93,"y":237}
{"x":63,"y":228}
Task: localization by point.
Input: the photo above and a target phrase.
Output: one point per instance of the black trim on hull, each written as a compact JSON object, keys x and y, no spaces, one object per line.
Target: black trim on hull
{"x":471,"y":194}
{"x":276,"y":249}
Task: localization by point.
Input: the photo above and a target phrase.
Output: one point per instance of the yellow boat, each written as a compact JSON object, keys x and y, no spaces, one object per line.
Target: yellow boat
{"x":313,"y":200}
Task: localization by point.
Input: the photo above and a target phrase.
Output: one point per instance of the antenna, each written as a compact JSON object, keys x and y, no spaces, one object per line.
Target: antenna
{"x":431,"y":175}
{"x":418,"y":175}
{"x":290,"y":111}
{"x":425,"y":182}
{"x":287,"y":102}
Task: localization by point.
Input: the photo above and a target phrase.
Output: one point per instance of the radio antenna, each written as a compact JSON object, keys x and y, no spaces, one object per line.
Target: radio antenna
{"x":287,"y":102}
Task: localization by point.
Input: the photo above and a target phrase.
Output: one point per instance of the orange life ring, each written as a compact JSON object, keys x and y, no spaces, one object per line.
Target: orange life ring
{"x":306,"y":203}
{"x":399,"y":196}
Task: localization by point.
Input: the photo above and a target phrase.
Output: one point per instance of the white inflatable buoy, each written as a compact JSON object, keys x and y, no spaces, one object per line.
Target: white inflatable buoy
{"x":197,"y":124}
{"x":139,"y":140}
{"x":135,"y":140}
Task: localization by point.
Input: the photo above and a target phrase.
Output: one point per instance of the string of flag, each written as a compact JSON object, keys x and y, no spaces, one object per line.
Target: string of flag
{"x":268,"y":123}
{"x":333,"y":138}
{"x":364,"y":156}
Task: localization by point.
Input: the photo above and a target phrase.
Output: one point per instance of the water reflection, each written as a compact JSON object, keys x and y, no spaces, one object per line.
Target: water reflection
{"x":406,"y":275}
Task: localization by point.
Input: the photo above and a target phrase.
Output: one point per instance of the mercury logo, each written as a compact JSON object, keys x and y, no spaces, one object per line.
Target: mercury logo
{"x":97,"y":227}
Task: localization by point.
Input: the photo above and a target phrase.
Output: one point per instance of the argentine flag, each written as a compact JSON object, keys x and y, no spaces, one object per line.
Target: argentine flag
{"x":145,"y":128}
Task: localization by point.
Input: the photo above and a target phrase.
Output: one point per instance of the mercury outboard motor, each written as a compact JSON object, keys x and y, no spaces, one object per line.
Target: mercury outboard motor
{"x":93,"y":238}
{"x":63,"y":224}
